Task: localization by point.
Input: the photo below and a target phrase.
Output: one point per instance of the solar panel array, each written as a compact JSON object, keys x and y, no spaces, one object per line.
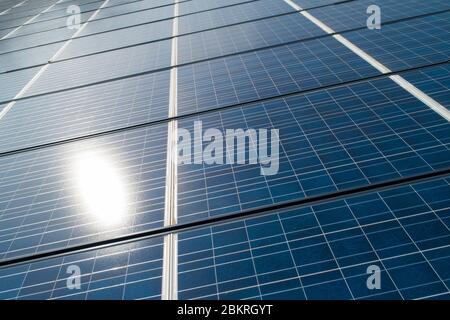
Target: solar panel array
{"x":89,"y":115}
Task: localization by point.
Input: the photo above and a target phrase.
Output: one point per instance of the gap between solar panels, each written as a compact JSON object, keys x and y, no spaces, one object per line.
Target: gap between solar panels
{"x":42,"y":70}
{"x":170,"y":254}
{"x":402,"y":82}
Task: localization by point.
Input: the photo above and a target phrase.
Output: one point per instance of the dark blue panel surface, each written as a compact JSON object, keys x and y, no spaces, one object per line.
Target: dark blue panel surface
{"x":247,"y":36}
{"x":324,"y":251}
{"x":93,"y":109}
{"x":329,"y":140}
{"x":353,"y":14}
{"x":82,"y":192}
{"x":412,"y":43}
{"x":434,"y":81}
{"x":101,"y":67}
{"x":229,"y":15}
{"x":267,"y":73}
{"x":130,"y":271}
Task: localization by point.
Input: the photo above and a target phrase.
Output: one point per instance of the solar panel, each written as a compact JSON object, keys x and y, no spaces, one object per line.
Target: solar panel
{"x":413,"y":43}
{"x":13,"y":82}
{"x":358,"y":121}
{"x":434,"y":81}
{"x":32,"y":40}
{"x":323,"y":251}
{"x":129,"y":19}
{"x":131,"y":271}
{"x":329,"y":140}
{"x":229,"y":15}
{"x":112,"y":10}
{"x":93,"y":109}
{"x":27,"y":58}
{"x":352,"y":14}
{"x":117,"y":39}
{"x":44,"y":206}
{"x":267,"y":73}
{"x":105,"y":66}
{"x":59,"y":23}
{"x":243,"y":37}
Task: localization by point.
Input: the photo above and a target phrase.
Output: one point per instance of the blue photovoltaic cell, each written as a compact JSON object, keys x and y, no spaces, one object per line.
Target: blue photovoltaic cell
{"x":229,"y":15}
{"x":131,"y":271}
{"x":323,"y":251}
{"x":117,"y":39}
{"x":103,"y":66}
{"x":353,"y":14}
{"x":267,"y":73}
{"x":434,"y":81}
{"x":89,"y":110}
{"x":122,"y":21}
{"x":44,"y":203}
{"x":407,"y":44}
{"x":247,"y":36}
{"x":329,"y":140}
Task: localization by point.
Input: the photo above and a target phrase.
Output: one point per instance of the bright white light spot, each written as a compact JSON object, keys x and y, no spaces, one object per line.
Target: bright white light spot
{"x":101,"y":189}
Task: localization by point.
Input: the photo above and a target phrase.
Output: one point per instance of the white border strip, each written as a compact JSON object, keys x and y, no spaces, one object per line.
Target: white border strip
{"x":170,"y":259}
{"x":402,"y":82}
{"x":29,"y":20}
{"x":39,"y":73}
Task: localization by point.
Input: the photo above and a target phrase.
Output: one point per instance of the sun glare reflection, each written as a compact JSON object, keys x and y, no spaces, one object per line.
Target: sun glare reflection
{"x":101,"y":188}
